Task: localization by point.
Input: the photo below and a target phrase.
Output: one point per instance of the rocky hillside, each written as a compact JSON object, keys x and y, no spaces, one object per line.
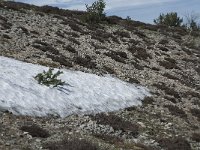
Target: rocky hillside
{"x":166,"y":60}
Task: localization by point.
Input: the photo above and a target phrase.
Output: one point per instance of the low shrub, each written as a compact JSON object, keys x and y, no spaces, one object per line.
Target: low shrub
{"x":177,"y":143}
{"x":117,"y":56}
{"x":139,"y":52}
{"x":170,"y":19}
{"x":35,"y":131}
{"x":86,"y":61}
{"x":74,"y":40}
{"x":147,"y":100}
{"x":169,"y":91}
{"x":169,"y":76}
{"x":95,"y":12}
{"x":71,"y":144}
{"x":195,"y":112}
{"x":117,"y":123}
{"x":49,"y":78}
{"x":122,"y":34}
{"x":174,"y":110}
{"x":168,"y":65}
{"x":70,"y":49}
{"x":63,"y":60}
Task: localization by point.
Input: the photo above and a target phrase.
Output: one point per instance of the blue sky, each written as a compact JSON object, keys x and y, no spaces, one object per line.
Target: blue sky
{"x":141,"y":10}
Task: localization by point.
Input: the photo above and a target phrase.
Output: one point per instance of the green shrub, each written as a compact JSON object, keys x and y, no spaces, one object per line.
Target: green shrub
{"x":191,"y":20}
{"x":95,"y":12}
{"x":170,"y":19}
{"x":49,"y":78}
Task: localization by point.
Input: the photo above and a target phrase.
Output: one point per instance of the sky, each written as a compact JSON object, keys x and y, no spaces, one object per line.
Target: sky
{"x":140,"y":10}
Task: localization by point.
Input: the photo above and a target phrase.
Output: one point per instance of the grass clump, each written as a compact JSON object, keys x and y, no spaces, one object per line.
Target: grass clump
{"x":49,"y":78}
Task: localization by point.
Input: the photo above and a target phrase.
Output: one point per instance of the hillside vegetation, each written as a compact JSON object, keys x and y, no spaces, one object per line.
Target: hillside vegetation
{"x":164,"y":59}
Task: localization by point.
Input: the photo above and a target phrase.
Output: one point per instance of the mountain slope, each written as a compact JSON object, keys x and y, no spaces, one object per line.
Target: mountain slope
{"x":166,"y":60}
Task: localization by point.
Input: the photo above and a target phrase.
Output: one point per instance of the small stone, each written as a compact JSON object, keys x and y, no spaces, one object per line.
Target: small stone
{"x":141,"y":124}
{"x":7,"y":144}
{"x":38,"y":140}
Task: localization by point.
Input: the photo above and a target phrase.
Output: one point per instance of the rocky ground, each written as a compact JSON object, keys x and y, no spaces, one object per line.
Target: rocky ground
{"x":166,"y":60}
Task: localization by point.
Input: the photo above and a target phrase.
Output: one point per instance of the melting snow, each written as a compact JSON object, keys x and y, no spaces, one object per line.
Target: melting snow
{"x":84,"y":93}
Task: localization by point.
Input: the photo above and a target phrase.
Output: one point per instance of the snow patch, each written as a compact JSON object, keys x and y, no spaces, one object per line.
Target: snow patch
{"x":84,"y":93}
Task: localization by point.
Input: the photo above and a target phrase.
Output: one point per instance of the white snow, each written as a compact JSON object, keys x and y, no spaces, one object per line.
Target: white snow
{"x":86,"y":93}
